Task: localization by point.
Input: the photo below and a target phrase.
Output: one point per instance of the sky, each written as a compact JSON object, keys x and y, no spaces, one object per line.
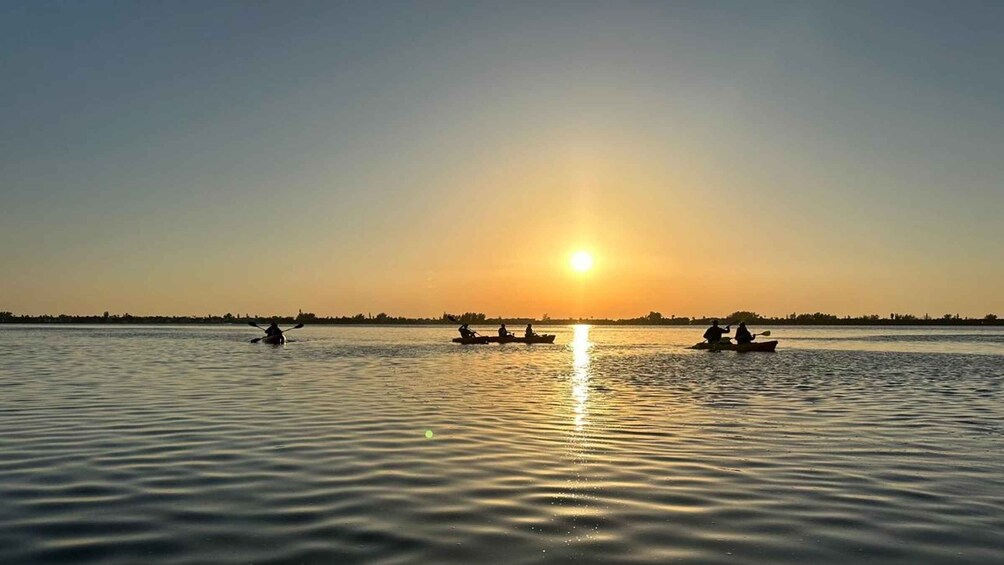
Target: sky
{"x":420,"y":157}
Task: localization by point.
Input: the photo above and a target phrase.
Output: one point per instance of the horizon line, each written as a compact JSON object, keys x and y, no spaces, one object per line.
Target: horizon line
{"x":653,"y":317}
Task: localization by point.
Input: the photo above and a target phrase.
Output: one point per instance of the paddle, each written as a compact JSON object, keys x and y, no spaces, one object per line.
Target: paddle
{"x":257,"y":339}
{"x":453,"y":319}
{"x":765,"y":333}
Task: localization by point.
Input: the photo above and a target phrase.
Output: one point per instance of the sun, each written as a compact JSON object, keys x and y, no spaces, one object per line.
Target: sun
{"x":582,"y":261}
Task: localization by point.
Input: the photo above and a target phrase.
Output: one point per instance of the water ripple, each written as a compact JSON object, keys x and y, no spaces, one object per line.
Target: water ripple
{"x":175,"y":445}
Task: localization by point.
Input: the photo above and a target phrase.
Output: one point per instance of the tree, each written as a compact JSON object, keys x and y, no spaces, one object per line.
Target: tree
{"x":744,"y":316}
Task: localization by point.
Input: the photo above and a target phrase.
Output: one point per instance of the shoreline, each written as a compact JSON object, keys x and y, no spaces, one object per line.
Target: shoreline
{"x":694,"y":324}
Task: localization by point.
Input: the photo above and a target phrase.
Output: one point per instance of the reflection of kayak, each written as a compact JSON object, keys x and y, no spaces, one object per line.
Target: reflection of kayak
{"x":740,"y":347}
{"x":482,"y":339}
{"x":274,"y":339}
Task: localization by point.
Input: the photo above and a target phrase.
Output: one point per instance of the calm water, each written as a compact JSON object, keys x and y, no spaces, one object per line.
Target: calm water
{"x":189,"y":445}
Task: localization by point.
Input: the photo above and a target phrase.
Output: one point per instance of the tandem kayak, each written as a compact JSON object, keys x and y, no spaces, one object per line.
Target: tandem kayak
{"x":274,"y":339}
{"x":481,"y":340}
{"x":740,"y":347}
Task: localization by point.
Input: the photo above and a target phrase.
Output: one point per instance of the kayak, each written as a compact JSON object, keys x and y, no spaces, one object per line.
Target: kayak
{"x":483,"y":339}
{"x":740,"y":347}
{"x":274,"y":339}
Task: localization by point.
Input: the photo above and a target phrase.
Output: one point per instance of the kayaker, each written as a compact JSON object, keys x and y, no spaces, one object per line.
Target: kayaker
{"x":529,"y":331}
{"x":743,"y":335}
{"x":273,"y":329}
{"x":714,"y":333}
{"x":466,"y":332}
{"x":504,"y":332}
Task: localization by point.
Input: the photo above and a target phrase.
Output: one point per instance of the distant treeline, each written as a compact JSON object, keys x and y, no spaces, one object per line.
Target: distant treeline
{"x":475,"y":318}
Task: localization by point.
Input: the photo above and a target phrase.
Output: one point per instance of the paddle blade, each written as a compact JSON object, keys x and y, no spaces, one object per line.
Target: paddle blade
{"x":296,"y":327}
{"x":766,"y":333}
{"x":256,"y":340}
{"x":252,"y":324}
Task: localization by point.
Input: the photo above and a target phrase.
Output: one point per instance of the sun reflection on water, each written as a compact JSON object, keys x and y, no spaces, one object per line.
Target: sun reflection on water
{"x":580,"y":375}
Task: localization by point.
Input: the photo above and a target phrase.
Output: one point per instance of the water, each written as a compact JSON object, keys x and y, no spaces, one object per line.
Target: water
{"x":189,"y":445}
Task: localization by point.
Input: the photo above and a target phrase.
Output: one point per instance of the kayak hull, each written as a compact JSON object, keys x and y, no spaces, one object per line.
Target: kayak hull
{"x":482,"y":340}
{"x":274,"y":339}
{"x":765,"y":346}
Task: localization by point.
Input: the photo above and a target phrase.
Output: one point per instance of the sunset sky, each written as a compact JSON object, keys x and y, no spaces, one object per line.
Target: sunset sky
{"x":415,"y":158}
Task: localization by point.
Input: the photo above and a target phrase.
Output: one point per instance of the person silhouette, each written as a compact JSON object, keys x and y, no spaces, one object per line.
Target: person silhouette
{"x":743,"y":335}
{"x":714,"y":333}
{"x":273,"y":329}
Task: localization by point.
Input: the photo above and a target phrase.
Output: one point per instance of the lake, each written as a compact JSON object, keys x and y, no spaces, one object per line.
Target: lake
{"x":393,"y":445}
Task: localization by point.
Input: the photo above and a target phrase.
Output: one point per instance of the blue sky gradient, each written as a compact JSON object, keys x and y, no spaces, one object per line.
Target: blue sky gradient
{"x":194,"y":157}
